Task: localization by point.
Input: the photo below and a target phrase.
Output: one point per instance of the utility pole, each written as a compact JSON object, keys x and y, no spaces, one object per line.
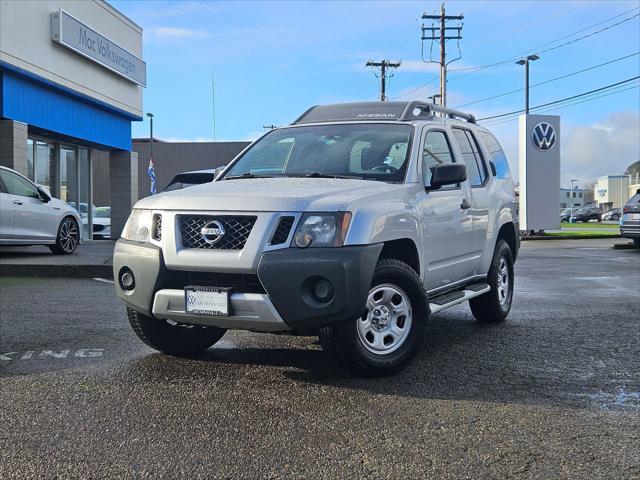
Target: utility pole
{"x":439,"y":33}
{"x":383,"y":65}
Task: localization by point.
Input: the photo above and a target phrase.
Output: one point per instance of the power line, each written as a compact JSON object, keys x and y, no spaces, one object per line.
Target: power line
{"x":511,"y":59}
{"x":606,"y":87}
{"x":570,"y":104}
{"x":549,"y":81}
{"x":535,"y":49}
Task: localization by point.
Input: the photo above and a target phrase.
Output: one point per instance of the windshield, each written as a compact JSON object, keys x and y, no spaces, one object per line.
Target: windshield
{"x":102,"y":212}
{"x":366,"y":151}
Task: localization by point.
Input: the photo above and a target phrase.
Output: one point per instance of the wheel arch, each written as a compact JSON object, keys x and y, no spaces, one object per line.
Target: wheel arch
{"x":403,"y":249}
{"x":508,"y":233}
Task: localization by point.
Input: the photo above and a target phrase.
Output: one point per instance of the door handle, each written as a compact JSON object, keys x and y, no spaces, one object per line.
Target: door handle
{"x":465,"y":205}
{"x":17,"y":202}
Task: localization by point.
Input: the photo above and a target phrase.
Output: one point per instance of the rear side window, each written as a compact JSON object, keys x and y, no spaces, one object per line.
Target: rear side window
{"x":476,"y":170}
{"x":496,"y":155}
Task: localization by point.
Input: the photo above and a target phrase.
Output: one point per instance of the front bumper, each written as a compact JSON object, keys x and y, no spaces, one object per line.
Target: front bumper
{"x":284,"y":300}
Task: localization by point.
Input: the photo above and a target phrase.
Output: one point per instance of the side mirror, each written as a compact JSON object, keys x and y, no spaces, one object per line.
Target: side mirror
{"x":447,"y":174}
{"x":44,"y":196}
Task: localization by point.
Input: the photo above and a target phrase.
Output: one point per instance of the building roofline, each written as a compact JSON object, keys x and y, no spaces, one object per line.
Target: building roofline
{"x":113,"y":10}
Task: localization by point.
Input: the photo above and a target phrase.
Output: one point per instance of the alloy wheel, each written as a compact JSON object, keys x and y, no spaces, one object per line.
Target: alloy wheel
{"x":69,"y":235}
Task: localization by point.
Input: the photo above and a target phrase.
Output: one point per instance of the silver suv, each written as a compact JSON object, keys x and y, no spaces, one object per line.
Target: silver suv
{"x":355,"y":223}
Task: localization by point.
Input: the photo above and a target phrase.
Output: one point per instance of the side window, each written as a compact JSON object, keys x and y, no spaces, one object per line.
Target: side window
{"x":16,"y":185}
{"x":476,"y":171}
{"x":436,"y":151}
{"x":496,"y":155}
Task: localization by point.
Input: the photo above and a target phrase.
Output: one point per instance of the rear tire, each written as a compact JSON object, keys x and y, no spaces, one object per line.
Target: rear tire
{"x":391,"y":331}
{"x":179,"y":340}
{"x":68,"y":237}
{"x":494,"y":306}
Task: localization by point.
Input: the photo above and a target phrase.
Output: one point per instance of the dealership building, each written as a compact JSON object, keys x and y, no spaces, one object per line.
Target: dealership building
{"x":71,"y":83}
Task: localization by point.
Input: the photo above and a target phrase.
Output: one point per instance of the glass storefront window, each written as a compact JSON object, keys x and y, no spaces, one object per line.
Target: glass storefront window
{"x":44,"y":166}
{"x":65,"y":171}
{"x":68,"y":175}
{"x":30,"y":158}
{"x":84,"y":190}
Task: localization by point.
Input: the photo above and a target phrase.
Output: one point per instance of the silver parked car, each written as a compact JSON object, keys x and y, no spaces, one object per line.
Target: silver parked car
{"x":30,"y":216}
{"x":630,"y":221}
{"x":356,"y":223}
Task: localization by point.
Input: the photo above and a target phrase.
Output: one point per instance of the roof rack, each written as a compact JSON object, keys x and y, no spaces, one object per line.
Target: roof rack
{"x":378,"y":111}
{"x":430,"y":109}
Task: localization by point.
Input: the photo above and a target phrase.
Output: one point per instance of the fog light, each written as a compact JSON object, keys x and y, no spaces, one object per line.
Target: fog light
{"x":323,"y":290}
{"x":126,"y":279}
{"x":303,"y":239}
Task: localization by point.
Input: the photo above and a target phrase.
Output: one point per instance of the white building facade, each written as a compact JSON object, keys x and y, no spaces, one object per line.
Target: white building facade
{"x":612,"y":191}
{"x":71,"y":82}
{"x":575,"y":197}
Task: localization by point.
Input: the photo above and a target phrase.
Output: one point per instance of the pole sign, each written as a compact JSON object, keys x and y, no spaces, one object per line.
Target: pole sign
{"x":539,"y":172}
{"x":75,"y":35}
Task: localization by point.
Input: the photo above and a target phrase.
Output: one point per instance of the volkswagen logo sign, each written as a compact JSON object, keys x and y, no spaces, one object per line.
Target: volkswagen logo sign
{"x":543,"y":136}
{"x":212,"y":232}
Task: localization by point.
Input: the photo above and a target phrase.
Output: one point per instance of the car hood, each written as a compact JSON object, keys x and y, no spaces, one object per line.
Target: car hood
{"x":268,"y":194}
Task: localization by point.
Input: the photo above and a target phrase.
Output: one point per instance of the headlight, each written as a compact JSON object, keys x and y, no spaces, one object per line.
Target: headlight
{"x":138,"y":226}
{"x":322,"y":230}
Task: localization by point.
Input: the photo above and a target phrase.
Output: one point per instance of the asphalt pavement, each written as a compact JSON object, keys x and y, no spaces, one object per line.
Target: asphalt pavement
{"x":552,"y":393}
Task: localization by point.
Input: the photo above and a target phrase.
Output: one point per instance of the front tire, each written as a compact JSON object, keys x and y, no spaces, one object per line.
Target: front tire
{"x":494,"y":306}
{"x":68,"y":237}
{"x":178,"y":340}
{"x":392,"y":329}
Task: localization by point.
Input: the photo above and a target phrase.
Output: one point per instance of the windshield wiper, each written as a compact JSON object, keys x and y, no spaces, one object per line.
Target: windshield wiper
{"x":247,"y":175}
{"x":327,"y":175}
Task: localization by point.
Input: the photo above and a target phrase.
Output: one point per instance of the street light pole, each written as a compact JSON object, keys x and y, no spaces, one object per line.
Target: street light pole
{"x":525,"y":62}
{"x":571,"y":200}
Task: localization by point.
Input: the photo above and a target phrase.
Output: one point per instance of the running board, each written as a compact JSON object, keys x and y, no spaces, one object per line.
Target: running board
{"x":450,"y":299}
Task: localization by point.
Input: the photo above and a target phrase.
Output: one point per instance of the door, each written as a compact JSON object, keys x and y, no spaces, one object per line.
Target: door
{"x":6,"y":215}
{"x":444,"y":215}
{"x":33,"y":218}
{"x":478,"y":179}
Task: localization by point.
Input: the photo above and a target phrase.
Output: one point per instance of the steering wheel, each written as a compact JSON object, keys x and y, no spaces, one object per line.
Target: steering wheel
{"x":385,"y":169}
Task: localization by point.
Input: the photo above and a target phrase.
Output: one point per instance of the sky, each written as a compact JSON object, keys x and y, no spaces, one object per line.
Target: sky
{"x":270,"y":61}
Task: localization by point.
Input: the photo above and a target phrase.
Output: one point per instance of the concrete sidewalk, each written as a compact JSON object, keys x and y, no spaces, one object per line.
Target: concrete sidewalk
{"x":92,"y":259}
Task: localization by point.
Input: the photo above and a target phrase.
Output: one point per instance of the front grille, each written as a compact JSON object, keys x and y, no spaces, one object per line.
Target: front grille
{"x":239,"y":282}
{"x":98,"y":228}
{"x":282,"y":231}
{"x":156,"y":227}
{"x":236,"y":231}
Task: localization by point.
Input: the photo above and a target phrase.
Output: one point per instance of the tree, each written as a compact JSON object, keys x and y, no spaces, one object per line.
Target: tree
{"x":633,"y":169}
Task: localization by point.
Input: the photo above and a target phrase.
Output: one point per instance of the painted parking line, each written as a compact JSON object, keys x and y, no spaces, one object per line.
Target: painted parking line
{"x":52,"y":354}
{"x":104,"y":280}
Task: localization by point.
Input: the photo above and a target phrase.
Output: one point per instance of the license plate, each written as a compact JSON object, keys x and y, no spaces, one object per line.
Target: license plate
{"x":206,"y":300}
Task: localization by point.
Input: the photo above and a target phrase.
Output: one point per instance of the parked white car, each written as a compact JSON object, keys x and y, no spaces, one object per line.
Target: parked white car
{"x":102,"y":223}
{"x":30,"y":216}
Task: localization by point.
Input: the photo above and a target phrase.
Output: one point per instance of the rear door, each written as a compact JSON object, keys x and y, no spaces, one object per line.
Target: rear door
{"x":478,"y":178}
{"x":33,"y":218}
{"x":6,"y":215}
{"x":445,"y":221}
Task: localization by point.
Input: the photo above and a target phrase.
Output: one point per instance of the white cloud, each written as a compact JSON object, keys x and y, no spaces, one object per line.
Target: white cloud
{"x":604,"y":148}
{"x":175,"y":33}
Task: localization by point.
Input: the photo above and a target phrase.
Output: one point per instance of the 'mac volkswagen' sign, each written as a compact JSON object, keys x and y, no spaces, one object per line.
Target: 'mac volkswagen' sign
{"x":543,"y":136}
{"x":75,"y":35}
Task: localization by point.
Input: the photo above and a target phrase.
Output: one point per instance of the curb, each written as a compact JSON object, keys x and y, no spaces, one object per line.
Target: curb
{"x":568,"y":237}
{"x":70,"y":271}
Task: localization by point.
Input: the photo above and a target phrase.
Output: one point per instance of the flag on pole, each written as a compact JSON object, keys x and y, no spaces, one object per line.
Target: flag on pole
{"x":151,"y":171}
